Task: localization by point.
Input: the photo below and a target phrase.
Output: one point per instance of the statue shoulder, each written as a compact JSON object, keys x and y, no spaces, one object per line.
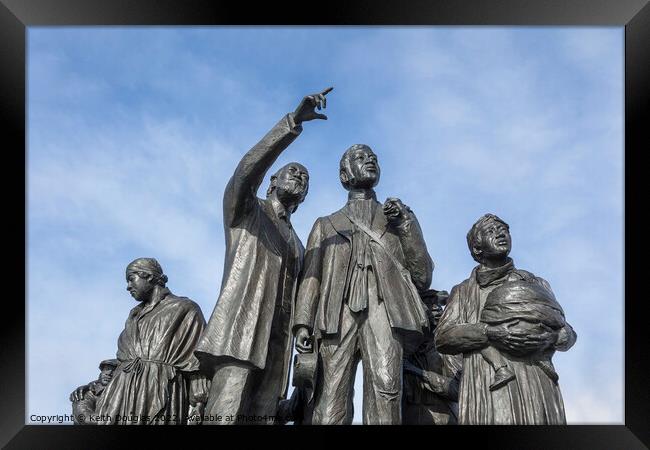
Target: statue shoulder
{"x":337,"y":220}
{"x":463,"y":284}
{"x":459,"y":291}
{"x":531,"y":277}
{"x":524,"y":274}
{"x":185,"y":303}
{"x":334,"y":215}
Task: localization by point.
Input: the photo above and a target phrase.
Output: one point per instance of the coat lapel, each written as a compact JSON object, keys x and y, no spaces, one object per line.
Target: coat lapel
{"x":273,"y":235}
{"x":343,"y":226}
{"x":341,"y":223}
{"x":379,"y":222}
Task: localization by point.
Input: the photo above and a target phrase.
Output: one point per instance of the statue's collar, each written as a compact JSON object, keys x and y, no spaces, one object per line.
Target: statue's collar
{"x":158,"y":294}
{"x":280,"y":210}
{"x":361,"y":194}
{"x":486,"y":276}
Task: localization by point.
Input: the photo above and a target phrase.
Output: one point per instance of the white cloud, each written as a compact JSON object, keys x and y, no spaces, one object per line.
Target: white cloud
{"x":134,"y":162}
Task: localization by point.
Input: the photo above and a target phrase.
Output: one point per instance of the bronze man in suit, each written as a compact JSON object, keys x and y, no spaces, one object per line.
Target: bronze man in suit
{"x":364,"y":267}
{"x":246,"y":346}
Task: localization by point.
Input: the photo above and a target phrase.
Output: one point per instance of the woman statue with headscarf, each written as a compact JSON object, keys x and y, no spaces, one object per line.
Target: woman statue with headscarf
{"x":157,"y":379}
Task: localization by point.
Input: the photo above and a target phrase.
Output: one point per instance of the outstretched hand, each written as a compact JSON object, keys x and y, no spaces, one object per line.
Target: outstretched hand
{"x":305,"y":110}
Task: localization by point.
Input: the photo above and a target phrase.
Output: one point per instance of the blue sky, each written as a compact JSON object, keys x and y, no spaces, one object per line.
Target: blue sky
{"x":133,"y":133}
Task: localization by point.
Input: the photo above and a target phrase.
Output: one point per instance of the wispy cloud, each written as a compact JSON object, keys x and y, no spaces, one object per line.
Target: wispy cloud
{"x":133,"y":134}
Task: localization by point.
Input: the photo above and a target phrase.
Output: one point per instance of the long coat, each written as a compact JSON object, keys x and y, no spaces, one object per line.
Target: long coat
{"x":158,"y":371}
{"x":256,"y":277}
{"x":533,"y":398}
{"x":327,"y":259}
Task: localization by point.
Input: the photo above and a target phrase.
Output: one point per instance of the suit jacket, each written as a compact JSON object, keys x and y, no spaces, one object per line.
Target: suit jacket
{"x":320,"y":296}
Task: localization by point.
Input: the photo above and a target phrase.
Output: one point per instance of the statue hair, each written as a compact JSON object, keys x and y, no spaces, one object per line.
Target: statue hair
{"x":344,"y":164}
{"x":474,"y":234}
{"x":148,"y":267}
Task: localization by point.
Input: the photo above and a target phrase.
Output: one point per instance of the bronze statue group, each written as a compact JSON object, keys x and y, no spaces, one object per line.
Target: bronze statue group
{"x":359,"y":291}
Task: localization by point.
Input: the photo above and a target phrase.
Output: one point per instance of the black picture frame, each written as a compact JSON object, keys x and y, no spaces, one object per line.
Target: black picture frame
{"x":634,"y":15}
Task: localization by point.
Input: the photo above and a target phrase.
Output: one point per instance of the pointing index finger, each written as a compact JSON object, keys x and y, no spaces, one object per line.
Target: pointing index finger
{"x":327,"y":90}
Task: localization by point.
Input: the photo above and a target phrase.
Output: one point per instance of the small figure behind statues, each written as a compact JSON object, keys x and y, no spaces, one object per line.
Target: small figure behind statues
{"x":84,"y":398}
{"x":430,"y":379}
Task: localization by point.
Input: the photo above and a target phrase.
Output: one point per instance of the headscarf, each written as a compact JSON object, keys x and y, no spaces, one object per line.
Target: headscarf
{"x":147,"y":265}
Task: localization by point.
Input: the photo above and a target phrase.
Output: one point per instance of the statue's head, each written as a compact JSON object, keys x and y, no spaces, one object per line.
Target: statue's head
{"x":489,"y":239}
{"x":433,"y":302}
{"x":142,"y":275}
{"x":290,"y":184}
{"x":359,"y":168}
{"x":107,"y":367}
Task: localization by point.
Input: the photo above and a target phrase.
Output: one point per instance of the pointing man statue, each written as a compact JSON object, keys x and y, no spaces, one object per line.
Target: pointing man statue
{"x":246,"y":347}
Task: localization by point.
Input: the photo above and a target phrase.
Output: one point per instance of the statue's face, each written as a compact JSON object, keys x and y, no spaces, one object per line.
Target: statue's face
{"x":435,"y":313}
{"x":106,"y":374}
{"x":138,"y":286}
{"x":363,"y":169}
{"x":495,"y":240}
{"x":292,"y":183}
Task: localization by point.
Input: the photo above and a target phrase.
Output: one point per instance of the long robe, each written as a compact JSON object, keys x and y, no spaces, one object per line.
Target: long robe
{"x":157,"y":377}
{"x":533,"y":398}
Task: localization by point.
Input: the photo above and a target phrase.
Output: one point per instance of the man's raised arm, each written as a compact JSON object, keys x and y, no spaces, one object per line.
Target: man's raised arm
{"x":417,"y":259}
{"x":240,"y":193}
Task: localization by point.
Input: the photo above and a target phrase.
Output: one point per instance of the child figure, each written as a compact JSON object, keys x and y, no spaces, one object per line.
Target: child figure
{"x":503,"y":374}
{"x":530,"y":308}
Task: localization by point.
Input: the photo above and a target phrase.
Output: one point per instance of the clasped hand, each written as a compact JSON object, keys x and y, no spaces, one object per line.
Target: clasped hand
{"x":504,"y":336}
{"x":395,"y":211}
